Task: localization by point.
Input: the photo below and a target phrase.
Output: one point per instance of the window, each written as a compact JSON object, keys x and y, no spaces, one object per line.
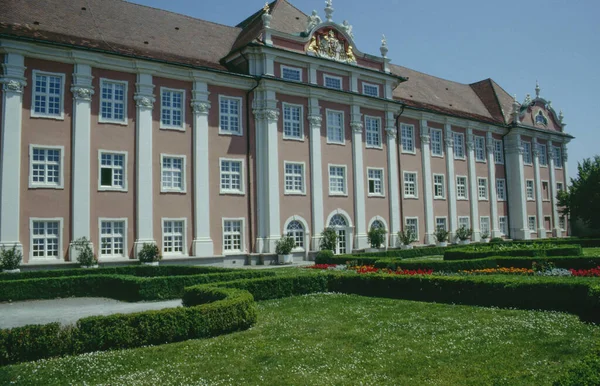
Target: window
{"x":503,"y":225}
{"x":48,"y":95}
{"x":439,"y":192}
{"x":230,"y":111}
{"x":45,"y":167}
{"x":464,"y":222}
{"x":541,"y":119}
{"x":459,"y":145}
{"x":291,"y":73}
{"x":543,"y":155}
{"x":545,"y":191}
{"x":113,"y":171}
{"x":526,"y":152}
{"x":531,"y":223}
{"x":375,"y":177}
{"x":173,"y":173}
{"x":112,"y":238}
{"x":436,"y":142}
{"x":440,"y":223}
{"x":461,"y":187}
{"x":335,"y":127}
{"x":408,"y":138}
{"x":113,"y":101}
{"x":171,"y":109}
{"x":332,"y":82}
{"x":484,"y":225}
{"x":232,"y":236}
{"x":295,"y":230}
{"x":371,"y":89}
{"x":559,"y":186}
{"x":479,"y":149}
{"x":337,"y":180}
{"x":412,"y":223}
{"x":557,"y":155}
{"x":498,"y":152}
{"x":231,"y":176}
{"x":373,"y":131}
{"x":529,"y":188}
{"x":173,"y":236}
{"x":482,"y":188}
{"x":294,"y":178}
{"x":501,"y":189}
{"x":562,"y":223}
{"x":377,"y":225}
{"x":410,"y":185}
{"x":45,"y":238}
{"x":292,"y":122}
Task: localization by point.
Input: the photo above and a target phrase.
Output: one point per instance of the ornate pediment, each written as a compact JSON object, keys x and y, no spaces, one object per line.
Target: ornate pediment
{"x":331,"y":44}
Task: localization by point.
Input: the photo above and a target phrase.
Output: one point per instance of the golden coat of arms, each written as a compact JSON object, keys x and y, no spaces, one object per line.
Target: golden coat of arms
{"x":328,"y":45}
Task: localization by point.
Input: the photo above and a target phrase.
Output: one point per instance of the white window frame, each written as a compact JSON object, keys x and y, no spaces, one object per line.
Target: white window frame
{"x":498,"y":152}
{"x":468,"y":221}
{"x":34,"y":114}
{"x":301,"y":192}
{"x":561,"y":187}
{"x":529,"y":160}
{"x":242,"y":236}
{"x":479,"y":148}
{"x":557,"y":156}
{"x":366,"y":84}
{"x":563,"y":220}
{"x":443,"y":185}
{"x":285,"y":105}
{"x":416,"y":195}
{"x":339,"y":112}
{"x":503,"y":229}
{"x":183,"y":109}
{"x":532,"y":198}
{"x":60,"y":238}
{"x":459,"y":145}
{"x":487,"y":188}
{"x":543,"y":154}
{"x":333,"y":77}
{"x":125,"y":115}
{"x":411,"y":138}
{"x":345,"y":192}
{"x":503,"y":198}
{"x":291,"y":68}
{"x":183,"y":174}
{"x":125,"y":232}
{"x":305,"y":232}
{"x":184,"y":249}
{"x":489,"y":225}
{"x":382,"y":182}
{"x":416,"y":225}
{"x":240,"y":131}
{"x":532,"y":230}
{"x":548,"y":190}
{"x":445,"y":218}
{"x":242,"y":190}
{"x":435,"y":143}
{"x":378,"y":134}
{"x":466,"y":187}
{"x":125,"y":171}
{"x":61,"y":178}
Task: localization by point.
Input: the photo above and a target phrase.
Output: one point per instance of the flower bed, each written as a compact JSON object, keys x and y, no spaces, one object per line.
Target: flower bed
{"x":593,"y":272}
{"x":500,"y":270}
{"x":363,"y":269}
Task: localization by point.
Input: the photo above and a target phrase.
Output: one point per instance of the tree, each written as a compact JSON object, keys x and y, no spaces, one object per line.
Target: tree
{"x":582,"y":200}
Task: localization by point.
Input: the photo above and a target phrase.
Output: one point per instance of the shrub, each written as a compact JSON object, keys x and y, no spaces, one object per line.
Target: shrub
{"x":376,"y":237}
{"x":407,"y":253}
{"x":437,"y":266}
{"x":441,"y":235}
{"x":407,"y":236}
{"x":149,"y":253}
{"x":86,"y":255}
{"x":521,"y":250}
{"x":284,"y":245}
{"x":328,"y":239}
{"x":463,"y":233}
{"x":10,"y":259}
{"x":324,"y":256}
{"x":485,"y":235}
{"x":585,"y":372}
{"x":497,"y":240}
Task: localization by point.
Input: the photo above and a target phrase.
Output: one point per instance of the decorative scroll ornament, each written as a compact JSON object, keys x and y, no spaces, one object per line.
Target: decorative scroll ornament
{"x":357,"y":126}
{"x":315,"y":120}
{"x":144,"y":101}
{"x":82,"y":93}
{"x":391,"y":132}
{"x":271,"y":115}
{"x":425,"y":138}
{"x":200,"y":107}
{"x":13,"y":85}
{"x":470,"y":144}
{"x":329,"y":45}
{"x":449,"y":142}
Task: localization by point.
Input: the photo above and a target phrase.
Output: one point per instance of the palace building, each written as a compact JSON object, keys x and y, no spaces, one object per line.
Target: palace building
{"x":126,"y":125}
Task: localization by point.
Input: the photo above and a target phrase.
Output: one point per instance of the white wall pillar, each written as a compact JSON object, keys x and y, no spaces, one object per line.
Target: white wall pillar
{"x":565,"y":159}
{"x":427,"y":184}
{"x":556,"y":232}
{"x":316,"y":172}
{"x":393,"y":183}
{"x":494,"y":226}
{"x":13,"y":83}
{"x":539,"y":211}
{"x":202,"y":245}
{"x":360,"y":222}
{"x":452,"y":211}
{"x":473,"y":187}
{"x":81,"y":154}
{"x":515,"y":186}
{"x":144,"y":98}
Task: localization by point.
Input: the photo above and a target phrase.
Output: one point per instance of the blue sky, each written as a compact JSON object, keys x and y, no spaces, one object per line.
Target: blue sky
{"x":556,"y":42}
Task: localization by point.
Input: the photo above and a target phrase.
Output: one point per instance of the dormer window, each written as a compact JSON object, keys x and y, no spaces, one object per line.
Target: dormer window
{"x":334,"y":82}
{"x":541,"y":119}
{"x":291,"y":73}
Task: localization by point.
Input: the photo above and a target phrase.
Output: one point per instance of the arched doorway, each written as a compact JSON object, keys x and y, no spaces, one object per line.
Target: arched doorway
{"x":340,"y":224}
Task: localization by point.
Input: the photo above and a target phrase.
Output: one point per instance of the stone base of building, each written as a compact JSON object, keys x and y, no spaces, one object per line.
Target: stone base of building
{"x":139,"y":244}
{"x":203,"y":247}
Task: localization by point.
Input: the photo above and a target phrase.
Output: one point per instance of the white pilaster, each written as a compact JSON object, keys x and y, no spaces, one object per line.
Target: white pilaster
{"x":452,"y":211}
{"x":144,"y":103}
{"x":13,"y":83}
{"x":556,"y":232}
{"x":393,"y":183}
{"x":267,"y":154}
{"x":565,"y":159}
{"x":202,"y":245}
{"x":539,"y":211}
{"x":353,"y":82}
{"x":81,"y":154}
{"x":494,"y":226}
{"x":515,"y":186}
{"x":312,"y":73}
{"x":427,"y":183}
{"x":360,"y":221}
{"x":473,"y":188}
{"x":316,"y":172}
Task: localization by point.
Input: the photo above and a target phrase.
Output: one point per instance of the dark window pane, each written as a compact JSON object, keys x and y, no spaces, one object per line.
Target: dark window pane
{"x":106,"y":177}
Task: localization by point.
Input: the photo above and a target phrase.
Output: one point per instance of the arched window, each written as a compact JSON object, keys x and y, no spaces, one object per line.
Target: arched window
{"x":295,"y":230}
{"x":540,"y":118}
{"x":338,"y":221}
{"x":377,"y":225}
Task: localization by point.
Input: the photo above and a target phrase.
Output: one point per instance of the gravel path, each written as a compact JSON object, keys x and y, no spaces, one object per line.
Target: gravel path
{"x":68,"y":311}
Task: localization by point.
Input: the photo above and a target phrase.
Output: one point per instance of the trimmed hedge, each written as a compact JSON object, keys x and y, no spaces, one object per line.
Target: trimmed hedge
{"x":408,"y":253}
{"x":469,"y":253}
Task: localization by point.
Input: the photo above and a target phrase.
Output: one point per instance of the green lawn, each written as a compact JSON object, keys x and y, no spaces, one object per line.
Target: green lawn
{"x":345,"y":339}
{"x":591,"y":251}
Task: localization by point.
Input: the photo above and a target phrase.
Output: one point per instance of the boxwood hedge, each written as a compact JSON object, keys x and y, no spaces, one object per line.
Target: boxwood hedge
{"x":541,"y":250}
